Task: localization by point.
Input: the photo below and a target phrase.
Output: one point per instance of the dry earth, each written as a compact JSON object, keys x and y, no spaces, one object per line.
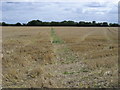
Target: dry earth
{"x":60,"y":57}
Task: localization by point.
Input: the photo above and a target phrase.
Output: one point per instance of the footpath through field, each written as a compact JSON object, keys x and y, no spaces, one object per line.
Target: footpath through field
{"x":72,"y":70}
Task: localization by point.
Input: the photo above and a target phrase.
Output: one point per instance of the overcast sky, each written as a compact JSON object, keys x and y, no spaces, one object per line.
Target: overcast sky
{"x":86,"y":10}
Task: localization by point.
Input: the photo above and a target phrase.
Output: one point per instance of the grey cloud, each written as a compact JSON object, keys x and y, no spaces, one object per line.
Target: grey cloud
{"x":12,"y":2}
{"x":9,"y":2}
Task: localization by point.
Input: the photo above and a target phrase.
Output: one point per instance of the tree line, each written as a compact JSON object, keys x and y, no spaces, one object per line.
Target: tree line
{"x":62,"y":23}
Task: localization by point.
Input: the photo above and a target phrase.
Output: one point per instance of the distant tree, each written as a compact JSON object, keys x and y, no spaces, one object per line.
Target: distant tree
{"x":71,"y":23}
{"x":0,"y":24}
{"x":46,"y":23}
{"x":24,"y":24}
{"x":113,"y":24}
{"x":18,"y":24}
{"x":34,"y":23}
{"x":105,"y":24}
{"x":81,"y":23}
{"x":53,"y":23}
{"x":4,"y":24}
{"x":62,"y":23}
{"x":88,"y":24}
{"x":98,"y":24}
{"x":93,"y":23}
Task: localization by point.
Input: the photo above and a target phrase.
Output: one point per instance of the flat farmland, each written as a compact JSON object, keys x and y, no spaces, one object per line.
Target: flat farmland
{"x":25,"y":51}
{"x":60,"y":57}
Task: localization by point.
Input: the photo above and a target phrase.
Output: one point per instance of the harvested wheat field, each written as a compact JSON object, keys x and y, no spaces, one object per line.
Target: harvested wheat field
{"x":60,"y":57}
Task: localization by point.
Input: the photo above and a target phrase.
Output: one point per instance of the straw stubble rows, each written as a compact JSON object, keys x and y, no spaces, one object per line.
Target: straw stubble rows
{"x":59,"y":57}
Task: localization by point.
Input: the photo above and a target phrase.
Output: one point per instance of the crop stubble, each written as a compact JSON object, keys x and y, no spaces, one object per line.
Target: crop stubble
{"x":87,"y":58}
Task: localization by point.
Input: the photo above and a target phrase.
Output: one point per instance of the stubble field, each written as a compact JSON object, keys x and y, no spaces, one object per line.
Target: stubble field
{"x":60,"y":57}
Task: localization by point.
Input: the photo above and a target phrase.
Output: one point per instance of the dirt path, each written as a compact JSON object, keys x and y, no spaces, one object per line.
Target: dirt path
{"x":67,"y":69}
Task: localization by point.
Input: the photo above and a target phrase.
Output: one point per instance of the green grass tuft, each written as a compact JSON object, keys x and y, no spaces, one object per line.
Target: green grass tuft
{"x":68,"y":72}
{"x":55,"y":38}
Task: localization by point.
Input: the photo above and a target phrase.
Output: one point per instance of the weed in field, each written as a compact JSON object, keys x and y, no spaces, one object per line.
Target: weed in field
{"x":68,"y":72}
{"x":55,"y":38}
{"x":84,"y":70}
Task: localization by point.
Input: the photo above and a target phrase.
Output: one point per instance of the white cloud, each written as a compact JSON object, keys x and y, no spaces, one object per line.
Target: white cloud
{"x":57,"y":11}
